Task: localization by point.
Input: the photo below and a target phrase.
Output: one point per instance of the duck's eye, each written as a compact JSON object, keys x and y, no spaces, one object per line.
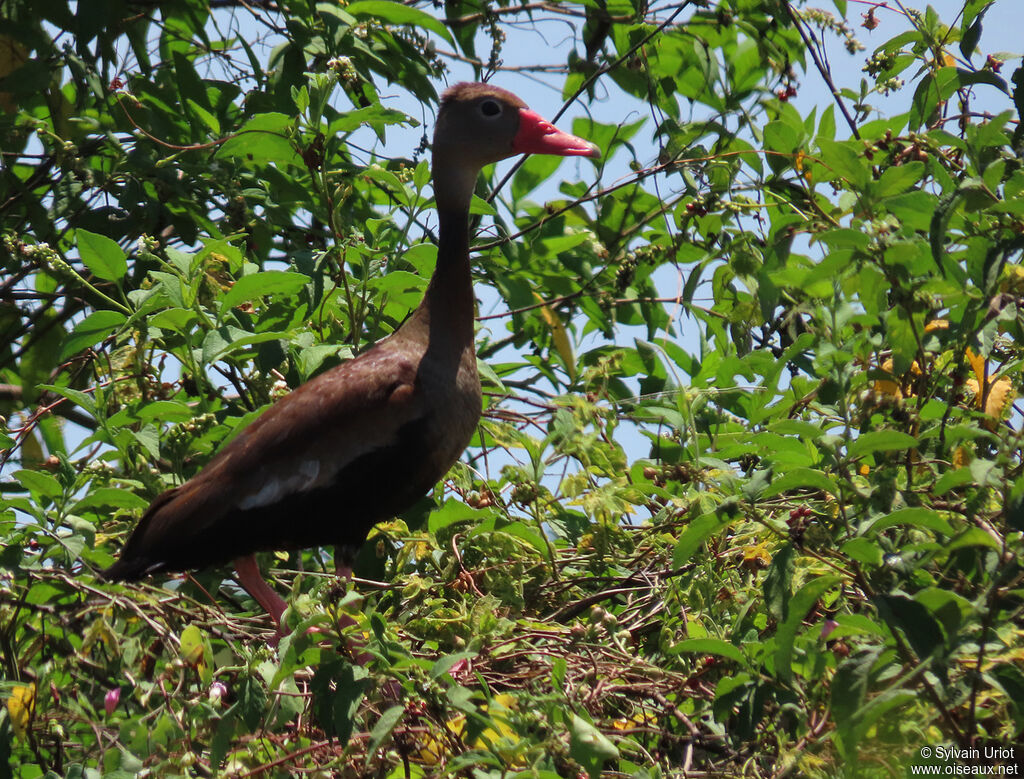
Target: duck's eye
{"x":490,"y":108}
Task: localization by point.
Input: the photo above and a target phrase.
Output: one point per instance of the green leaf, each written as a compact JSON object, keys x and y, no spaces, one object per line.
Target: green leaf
{"x":913,"y":620}
{"x":41,"y":485}
{"x":958,"y":477}
{"x":376,"y":116}
{"x":398,"y":13}
{"x":801,"y":603}
{"x":778,"y":582}
{"x":382,"y":729}
{"x":110,"y":497}
{"x":536,"y":170}
{"x":225,"y":340}
{"x":863,"y":550}
{"x":589,"y":747}
{"x":882,"y":441}
{"x":454,"y":511}
{"x":90,"y":331}
{"x":712,"y":646}
{"x":911,"y":517}
{"x":338,"y":688}
{"x":101,"y":255}
{"x":974,"y":536}
{"x":263,"y":139}
{"x":190,"y":648}
{"x":801,"y":478}
{"x":695,"y":535}
{"x":849,"y":690}
{"x":269,"y":283}
{"x":898,"y":178}
{"x":845,"y":159}
{"x":934,"y":88}
{"x":444,"y":664}
{"x":79,"y":398}
{"x":1010,"y":679}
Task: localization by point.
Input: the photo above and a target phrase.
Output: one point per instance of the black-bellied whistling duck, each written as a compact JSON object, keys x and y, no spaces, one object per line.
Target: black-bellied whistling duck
{"x":361,"y":442}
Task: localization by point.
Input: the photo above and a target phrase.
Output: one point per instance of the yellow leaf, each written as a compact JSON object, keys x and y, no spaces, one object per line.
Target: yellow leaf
{"x":191,"y":649}
{"x":756,"y":557}
{"x":1000,"y":396}
{"x":888,"y":387}
{"x":560,"y":337}
{"x":21,"y":706}
{"x":1012,"y":279}
{"x":977,"y":364}
{"x":961,"y":457}
{"x":433,"y":748}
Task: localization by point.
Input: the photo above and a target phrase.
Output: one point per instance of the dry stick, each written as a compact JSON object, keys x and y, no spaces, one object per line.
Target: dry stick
{"x":823,"y":70}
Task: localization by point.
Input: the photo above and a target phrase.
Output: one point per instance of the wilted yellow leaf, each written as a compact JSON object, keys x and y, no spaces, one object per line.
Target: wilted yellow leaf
{"x":977,"y":364}
{"x":756,"y":557}
{"x":1000,"y":395}
{"x":21,"y":706}
{"x":502,"y":739}
{"x":560,"y":337}
{"x":961,"y":457}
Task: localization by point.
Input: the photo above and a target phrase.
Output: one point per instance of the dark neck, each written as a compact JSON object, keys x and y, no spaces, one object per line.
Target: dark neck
{"x":448,"y":304}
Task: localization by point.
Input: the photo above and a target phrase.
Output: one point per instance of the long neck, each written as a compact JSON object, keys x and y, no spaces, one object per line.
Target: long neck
{"x":450,"y":293}
{"x":445,"y":315}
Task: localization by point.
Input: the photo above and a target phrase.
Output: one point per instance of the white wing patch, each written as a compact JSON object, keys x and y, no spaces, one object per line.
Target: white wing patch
{"x":274,"y":489}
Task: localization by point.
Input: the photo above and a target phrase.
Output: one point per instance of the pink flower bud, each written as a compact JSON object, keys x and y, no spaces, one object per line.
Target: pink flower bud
{"x":111,"y":699}
{"x":217,"y":692}
{"x":827,"y":628}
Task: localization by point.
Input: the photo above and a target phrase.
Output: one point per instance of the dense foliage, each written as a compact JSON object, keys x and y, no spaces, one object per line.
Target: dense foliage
{"x":747,"y":497}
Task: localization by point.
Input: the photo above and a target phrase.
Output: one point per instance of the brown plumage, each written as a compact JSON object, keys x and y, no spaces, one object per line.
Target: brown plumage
{"x":361,"y":442}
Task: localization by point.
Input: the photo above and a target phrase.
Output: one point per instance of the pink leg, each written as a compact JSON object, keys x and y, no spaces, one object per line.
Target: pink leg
{"x":250,"y":578}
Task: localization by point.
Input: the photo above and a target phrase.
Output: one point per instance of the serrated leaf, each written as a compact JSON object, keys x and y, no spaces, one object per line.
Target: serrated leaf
{"x":263,"y":284}
{"x":101,"y":255}
{"x":382,"y":729}
{"x":79,"y":398}
{"x":264,"y":138}
{"x":41,"y":485}
{"x":90,"y":331}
